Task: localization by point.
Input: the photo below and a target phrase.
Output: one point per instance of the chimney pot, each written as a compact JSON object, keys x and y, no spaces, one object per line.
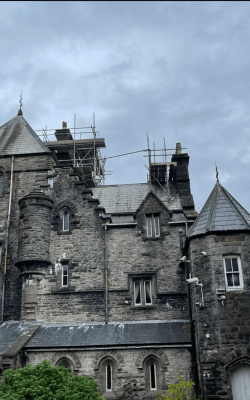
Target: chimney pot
{"x":64,"y":125}
{"x":178,"y":148}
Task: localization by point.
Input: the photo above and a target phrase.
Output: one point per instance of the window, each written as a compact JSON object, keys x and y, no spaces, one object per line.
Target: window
{"x":65,"y":221}
{"x":1,"y":184}
{"x":65,"y":275}
{"x":142,"y":292}
{"x":153,"y":225}
{"x":152,"y":374}
{"x":108,"y":377}
{"x":233,"y":273}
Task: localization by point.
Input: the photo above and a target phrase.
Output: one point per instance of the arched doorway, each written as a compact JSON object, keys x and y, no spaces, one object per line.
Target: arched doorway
{"x":240,"y":381}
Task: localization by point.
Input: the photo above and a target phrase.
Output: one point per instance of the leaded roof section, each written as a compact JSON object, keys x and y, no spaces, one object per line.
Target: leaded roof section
{"x":221,"y":212}
{"x":17,"y":137}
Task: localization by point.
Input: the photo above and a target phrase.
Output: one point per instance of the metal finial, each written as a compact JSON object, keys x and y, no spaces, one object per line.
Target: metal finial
{"x":21,"y":103}
{"x":20,"y":100}
{"x":217,"y":174}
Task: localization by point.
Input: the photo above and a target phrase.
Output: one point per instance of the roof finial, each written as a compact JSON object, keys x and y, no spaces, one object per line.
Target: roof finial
{"x":217,"y":174}
{"x":21,"y":103}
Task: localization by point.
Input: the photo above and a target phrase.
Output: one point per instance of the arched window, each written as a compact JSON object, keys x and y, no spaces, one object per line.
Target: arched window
{"x":109,"y":377}
{"x":152,"y":374}
{"x":66,"y":363}
{"x":65,"y":221}
{"x":108,"y":368}
{"x":1,"y":184}
{"x":154,"y":377}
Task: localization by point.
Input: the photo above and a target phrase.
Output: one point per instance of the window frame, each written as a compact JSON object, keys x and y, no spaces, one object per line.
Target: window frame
{"x":152,"y":218}
{"x":65,"y":213}
{"x":111,"y":377}
{"x":67,"y":275}
{"x":233,"y":288}
{"x":142,"y":281}
{"x":150,"y":376}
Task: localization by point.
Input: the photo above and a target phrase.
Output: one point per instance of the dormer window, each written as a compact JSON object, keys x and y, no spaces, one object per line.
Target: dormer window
{"x":153,"y":225}
{"x":1,"y":184}
{"x":65,"y":221}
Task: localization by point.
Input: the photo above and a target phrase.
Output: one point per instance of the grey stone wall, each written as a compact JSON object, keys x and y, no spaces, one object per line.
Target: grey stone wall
{"x":130,"y":254}
{"x":30,"y":173}
{"x":222,"y":328}
{"x":126,"y":363}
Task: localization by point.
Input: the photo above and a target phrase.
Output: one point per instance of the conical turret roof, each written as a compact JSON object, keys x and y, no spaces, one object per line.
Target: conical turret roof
{"x":17,"y":137}
{"x":221,"y":212}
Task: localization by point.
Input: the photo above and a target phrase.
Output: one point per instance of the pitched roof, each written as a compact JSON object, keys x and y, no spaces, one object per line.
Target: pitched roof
{"x":113,"y":333}
{"x":157,"y":198}
{"x":17,"y":137}
{"x":128,"y":197}
{"x":221,"y":212}
{"x":9,"y":332}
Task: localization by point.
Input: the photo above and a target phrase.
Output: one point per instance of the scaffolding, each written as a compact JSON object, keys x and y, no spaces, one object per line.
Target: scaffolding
{"x":72,"y":149}
{"x":161,"y":170}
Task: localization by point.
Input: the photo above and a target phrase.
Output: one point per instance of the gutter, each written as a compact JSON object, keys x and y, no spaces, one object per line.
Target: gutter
{"x":7,"y":238}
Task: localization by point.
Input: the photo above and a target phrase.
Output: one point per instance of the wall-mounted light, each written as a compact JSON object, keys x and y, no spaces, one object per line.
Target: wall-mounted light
{"x":196,"y":281}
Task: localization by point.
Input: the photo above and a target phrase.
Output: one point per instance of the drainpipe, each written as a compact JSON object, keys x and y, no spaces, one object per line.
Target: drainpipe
{"x":193,"y":357}
{"x":7,"y":237}
{"x":106,"y":272}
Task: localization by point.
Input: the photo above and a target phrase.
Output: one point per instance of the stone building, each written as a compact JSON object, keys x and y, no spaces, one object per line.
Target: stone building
{"x":95,"y":276}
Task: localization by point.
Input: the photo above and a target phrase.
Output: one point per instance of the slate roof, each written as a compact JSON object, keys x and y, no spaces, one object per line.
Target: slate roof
{"x":9,"y":332}
{"x":120,"y":333}
{"x":17,"y":137}
{"x":127,"y":198}
{"x":221,"y":212}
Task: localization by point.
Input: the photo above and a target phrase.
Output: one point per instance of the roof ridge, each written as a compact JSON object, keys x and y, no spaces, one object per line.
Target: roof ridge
{"x":213,"y":207}
{"x":202,"y":210}
{"x":235,"y":208}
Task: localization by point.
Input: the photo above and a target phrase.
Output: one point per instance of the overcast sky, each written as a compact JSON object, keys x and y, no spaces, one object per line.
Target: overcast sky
{"x":178,"y":70}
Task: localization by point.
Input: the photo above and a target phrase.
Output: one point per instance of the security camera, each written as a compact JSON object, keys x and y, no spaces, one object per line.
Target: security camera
{"x":193,"y":280}
{"x":204,"y":253}
{"x":183,"y":258}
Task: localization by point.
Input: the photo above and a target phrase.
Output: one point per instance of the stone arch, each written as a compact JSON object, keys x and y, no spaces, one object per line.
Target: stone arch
{"x":158,"y":353}
{"x":70,"y":357}
{"x":117,"y":358}
{"x":234,"y":364}
{"x":65,"y":203}
{"x":59,"y":210}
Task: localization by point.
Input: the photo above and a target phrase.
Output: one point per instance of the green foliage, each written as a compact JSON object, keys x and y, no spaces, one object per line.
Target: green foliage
{"x":44,"y":382}
{"x":130,"y":389}
{"x":182,"y":390}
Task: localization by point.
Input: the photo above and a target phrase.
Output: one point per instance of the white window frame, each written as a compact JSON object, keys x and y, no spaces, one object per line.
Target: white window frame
{"x":155,"y":388}
{"x":67,"y":269}
{"x":150,"y":221}
{"x":143,"y":293}
{"x":64,"y":215}
{"x":138,"y":304}
{"x":144,"y":281}
{"x":240,"y":287}
{"x":111,"y":372}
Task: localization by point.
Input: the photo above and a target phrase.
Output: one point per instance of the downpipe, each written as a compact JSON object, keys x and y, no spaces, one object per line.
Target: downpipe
{"x":7,"y":238}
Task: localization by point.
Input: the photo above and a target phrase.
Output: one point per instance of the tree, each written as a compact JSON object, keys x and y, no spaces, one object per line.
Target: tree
{"x":182,"y":390}
{"x":44,"y":382}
